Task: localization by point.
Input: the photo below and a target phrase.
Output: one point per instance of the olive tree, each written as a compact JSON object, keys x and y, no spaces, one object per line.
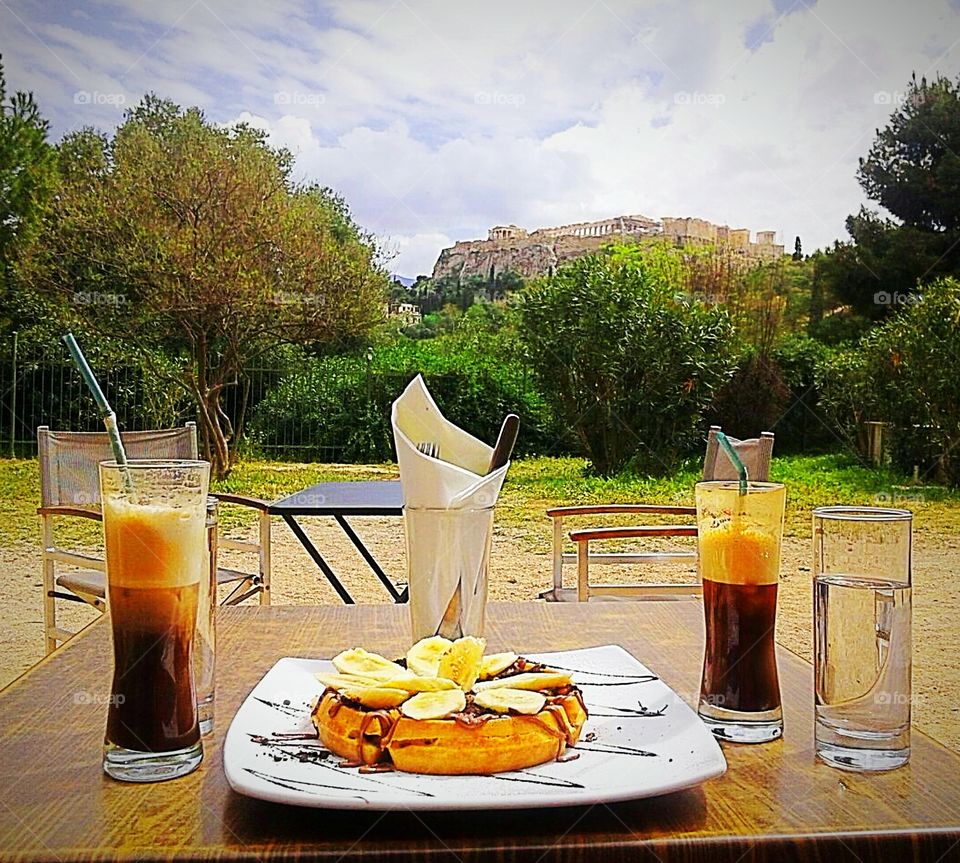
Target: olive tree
{"x":190,"y":242}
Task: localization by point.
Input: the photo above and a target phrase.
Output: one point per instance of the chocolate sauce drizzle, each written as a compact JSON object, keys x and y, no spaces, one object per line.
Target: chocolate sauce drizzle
{"x":278,"y":748}
{"x":639,"y":712}
{"x":305,"y":748}
{"x":530,"y":778}
{"x":285,"y":708}
{"x":617,"y":749}
{"x":296,"y":784}
{"x":644,"y":679}
{"x":638,"y":678}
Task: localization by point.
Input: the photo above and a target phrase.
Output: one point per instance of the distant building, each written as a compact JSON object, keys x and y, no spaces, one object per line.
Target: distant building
{"x":409,"y":313}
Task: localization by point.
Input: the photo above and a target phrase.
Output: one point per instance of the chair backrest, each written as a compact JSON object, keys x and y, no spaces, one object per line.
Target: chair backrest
{"x":69,"y":473}
{"x":754,"y":452}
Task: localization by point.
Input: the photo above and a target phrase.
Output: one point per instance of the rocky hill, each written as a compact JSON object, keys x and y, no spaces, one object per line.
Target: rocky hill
{"x":510,"y":248}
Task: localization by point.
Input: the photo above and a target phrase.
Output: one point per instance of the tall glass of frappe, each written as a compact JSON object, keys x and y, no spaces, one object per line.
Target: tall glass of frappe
{"x":154,"y":516}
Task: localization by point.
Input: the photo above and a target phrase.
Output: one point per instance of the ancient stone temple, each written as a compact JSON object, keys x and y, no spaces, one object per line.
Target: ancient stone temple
{"x":532,"y":253}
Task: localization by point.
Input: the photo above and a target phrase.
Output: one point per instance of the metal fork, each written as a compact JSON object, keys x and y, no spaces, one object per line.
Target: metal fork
{"x":429,"y":448}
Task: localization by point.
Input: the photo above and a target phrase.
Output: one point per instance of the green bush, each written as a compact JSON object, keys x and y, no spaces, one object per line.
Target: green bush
{"x":338,"y":408}
{"x":848,"y":396}
{"x":754,"y":399}
{"x":904,"y":373}
{"x":626,"y":362}
{"x":915,"y":360}
{"x":802,"y":426}
{"x":778,"y":392}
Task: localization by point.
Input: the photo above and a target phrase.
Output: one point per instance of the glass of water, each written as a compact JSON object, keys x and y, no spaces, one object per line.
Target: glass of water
{"x":862,"y":607}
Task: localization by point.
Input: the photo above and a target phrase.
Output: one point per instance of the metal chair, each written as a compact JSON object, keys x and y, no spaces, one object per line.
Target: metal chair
{"x":70,"y":487}
{"x":755,"y":454}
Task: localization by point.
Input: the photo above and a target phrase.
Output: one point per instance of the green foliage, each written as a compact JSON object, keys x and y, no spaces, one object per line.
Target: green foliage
{"x":339,"y":407}
{"x":754,"y":399}
{"x":915,"y":359}
{"x":778,"y":392}
{"x":625,"y":357}
{"x":191,"y":242}
{"x":27,"y":177}
{"x":848,"y":398}
{"x":802,"y":426}
{"x":904,"y":373}
{"x":913,"y":171}
{"x":453,"y":293}
{"x":881,"y":267}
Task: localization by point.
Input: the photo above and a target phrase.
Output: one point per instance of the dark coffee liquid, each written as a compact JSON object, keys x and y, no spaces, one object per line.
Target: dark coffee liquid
{"x":153,"y":706}
{"x":740,"y":665}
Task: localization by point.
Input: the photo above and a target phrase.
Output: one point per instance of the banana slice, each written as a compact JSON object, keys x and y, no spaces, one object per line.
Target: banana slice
{"x":505,"y":700}
{"x":340,"y":681}
{"x":416,"y":683}
{"x":377,"y":697}
{"x":434,"y":705}
{"x":363,"y":664}
{"x":424,"y":657}
{"x":533,"y":680}
{"x":494,"y":663}
{"x":462,"y":660}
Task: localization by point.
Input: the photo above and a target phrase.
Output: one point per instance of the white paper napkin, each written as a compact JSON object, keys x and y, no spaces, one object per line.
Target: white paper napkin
{"x":459,"y":477}
{"x":448,"y":546}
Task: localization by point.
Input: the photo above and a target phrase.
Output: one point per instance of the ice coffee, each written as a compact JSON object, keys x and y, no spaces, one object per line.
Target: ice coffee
{"x":154,"y":528}
{"x":738,"y":541}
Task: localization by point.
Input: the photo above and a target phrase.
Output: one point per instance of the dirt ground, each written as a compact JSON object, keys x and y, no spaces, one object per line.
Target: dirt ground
{"x":520,"y":569}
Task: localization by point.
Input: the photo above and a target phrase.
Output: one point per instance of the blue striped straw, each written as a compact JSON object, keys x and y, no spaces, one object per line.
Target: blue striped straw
{"x":731,"y":454}
{"x":109,"y":417}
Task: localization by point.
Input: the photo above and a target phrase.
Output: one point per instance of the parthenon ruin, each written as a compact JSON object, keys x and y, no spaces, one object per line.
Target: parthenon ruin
{"x":530,"y":253}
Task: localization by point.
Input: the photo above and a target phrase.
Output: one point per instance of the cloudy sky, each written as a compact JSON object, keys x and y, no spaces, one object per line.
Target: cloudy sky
{"x":439,"y":118}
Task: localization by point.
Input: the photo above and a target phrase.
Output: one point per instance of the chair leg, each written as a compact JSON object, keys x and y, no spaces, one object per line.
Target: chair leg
{"x":265,"y":558}
{"x":49,"y":575}
{"x":583,"y":570}
{"x":557,"y":556}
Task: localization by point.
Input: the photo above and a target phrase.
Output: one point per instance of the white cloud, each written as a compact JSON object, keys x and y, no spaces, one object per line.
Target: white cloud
{"x":413,"y":255}
{"x":438,"y":119}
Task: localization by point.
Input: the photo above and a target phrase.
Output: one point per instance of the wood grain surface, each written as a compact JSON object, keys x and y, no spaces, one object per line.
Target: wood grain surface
{"x":774,"y":803}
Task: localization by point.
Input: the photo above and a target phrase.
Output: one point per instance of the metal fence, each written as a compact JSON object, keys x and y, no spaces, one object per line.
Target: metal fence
{"x":40,"y":390}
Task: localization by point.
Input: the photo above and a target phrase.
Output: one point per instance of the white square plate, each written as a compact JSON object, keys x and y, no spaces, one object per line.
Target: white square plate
{"x":641,"y":740}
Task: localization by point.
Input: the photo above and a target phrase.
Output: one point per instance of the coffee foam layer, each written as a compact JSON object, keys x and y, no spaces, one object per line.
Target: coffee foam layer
{"x":734,"y":553}
{"x":153,"y":545}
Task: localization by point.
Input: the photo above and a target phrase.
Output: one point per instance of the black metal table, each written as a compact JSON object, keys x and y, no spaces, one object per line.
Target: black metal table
{"x":342,"y":500}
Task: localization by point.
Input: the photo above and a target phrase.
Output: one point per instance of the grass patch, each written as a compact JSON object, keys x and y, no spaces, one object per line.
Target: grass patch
{"x":532,"y":486}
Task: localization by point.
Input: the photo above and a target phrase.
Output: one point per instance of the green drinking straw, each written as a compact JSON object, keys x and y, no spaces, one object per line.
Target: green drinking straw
{"x":734,"y":460}
{"x":109,"y":417}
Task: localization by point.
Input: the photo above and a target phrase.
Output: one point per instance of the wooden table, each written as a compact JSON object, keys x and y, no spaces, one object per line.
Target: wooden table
{"x":774,"y":803}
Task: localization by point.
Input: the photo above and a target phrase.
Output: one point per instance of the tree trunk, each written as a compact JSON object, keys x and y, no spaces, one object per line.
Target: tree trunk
{"x":216,"y":444}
